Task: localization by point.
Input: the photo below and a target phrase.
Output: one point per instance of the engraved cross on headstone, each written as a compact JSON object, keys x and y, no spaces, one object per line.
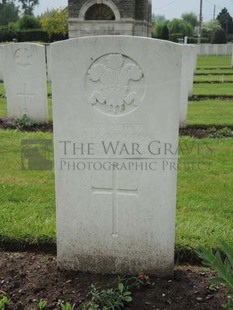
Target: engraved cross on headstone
{"x":25,"y":97}
{"x":115,"y":191}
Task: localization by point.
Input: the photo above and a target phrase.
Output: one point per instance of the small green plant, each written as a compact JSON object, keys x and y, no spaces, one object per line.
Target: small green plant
{"x":5,"y":301}
{"x":66,"y":306}
{"x":18,"y":123}
{"x":137,"y":281}
{"x":23,"y":122}
{"x":224,"y":267}
{"x":116,"y":298}
{"x":225,"y":132}
{"x":110,"y":299}
{"x":42,"y":304}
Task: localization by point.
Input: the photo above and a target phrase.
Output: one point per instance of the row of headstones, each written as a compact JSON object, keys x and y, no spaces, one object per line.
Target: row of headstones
{"x":25,"y":79}
{"x":214,"y":49}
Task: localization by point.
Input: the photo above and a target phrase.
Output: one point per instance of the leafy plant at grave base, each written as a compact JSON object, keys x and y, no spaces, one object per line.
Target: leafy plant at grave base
{"x":224,"y":267}
{"x":18,"y":123}
{"x":220,"y":133}
{"x":109,"y":299}
{"x":5,"y":301}
{"x":116,"y":298}
{"x":23,"y":122}
{"x":42,"y":304}
{"x":66,"y":306}
{"x":137,"y":281}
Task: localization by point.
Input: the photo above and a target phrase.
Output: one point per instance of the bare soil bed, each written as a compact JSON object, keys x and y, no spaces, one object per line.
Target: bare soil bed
{"x":27,"y":277}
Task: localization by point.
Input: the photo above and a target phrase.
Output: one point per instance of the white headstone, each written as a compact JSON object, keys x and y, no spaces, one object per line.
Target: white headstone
{"x":191,"y":67}
{"x":232,"y":59}
{"x":1,"y":62}
{"x":48,"y":62}
{"x":116,"y":119}
{"x":188,"y":69}
{"x":187,"y":74}
{"x":25,"y":81}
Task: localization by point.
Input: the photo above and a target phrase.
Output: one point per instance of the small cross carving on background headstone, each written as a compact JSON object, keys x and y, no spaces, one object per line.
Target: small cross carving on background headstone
{"x":26,"y":96}
{"x":115,"y":191}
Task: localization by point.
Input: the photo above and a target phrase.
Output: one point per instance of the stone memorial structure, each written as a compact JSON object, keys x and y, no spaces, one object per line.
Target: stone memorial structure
{"x":116,"y":140}
{"x":25,"y":81}
{"x":109,"y":17}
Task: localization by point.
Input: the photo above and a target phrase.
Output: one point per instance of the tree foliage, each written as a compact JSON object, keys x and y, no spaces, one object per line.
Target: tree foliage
{"x":180,"y":26}
{"x":55,"y":22}
{"x":225,"y":20}
{"x":28,"y":22}
{"x":219,"y":37}
{"x":208,"y":28}
{"x":158,"y":19}
{"x":165,"y":33}
{"x":190,"y":18}
{"x":28,"y":6}
{"x":9,"y":13}
{"x":157,"y":30}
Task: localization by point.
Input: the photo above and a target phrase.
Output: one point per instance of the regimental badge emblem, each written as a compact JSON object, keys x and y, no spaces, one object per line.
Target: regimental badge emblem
{"x":115,"y":84}
{"x":23,"y":57}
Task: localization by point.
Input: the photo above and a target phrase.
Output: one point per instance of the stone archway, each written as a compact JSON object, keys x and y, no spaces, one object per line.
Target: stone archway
{"x":101,"y":9}
{"x":99,"y":12}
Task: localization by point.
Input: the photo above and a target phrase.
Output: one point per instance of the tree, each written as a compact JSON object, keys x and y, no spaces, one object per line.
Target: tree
{"x":219,"y":37}
{"x":158,"y":19}
{"x":55,"y":22}
{"x":190,"y":18}
{"x":157,"y":30}
{"x":9,"y":13}
{"x":28,"y":22}
{"x":225,"y":20}
{"x":165,"y":33}
{"x":208,"y":28}
{"x":180,"y":26}
{"x":28,"y":6}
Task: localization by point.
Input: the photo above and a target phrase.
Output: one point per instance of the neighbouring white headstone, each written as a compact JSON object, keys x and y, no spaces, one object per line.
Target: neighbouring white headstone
{"x":232,"y":59}
{"x":116,"y":119}
{"x":186,"y":78}
{"x":188,"y":70}
{"x":48,"y":62}
{"x":2,"y":62}
{"x":191,"y":67}
{"x":25,"y":81}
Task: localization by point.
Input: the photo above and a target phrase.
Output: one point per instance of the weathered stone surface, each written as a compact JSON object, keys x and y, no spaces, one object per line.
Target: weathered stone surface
{"x":116,"y":119}
{"x":25,"y":81}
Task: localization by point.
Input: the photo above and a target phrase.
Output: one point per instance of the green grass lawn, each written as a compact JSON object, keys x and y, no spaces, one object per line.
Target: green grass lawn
{"x":210,"y":112}
{"x":213,"y":78}
{"x":204,"y":200}
{"x":204,"y":89}
{"x":217,"y":71}
{"x":26,"y":197}
{"x":214,"y":61}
